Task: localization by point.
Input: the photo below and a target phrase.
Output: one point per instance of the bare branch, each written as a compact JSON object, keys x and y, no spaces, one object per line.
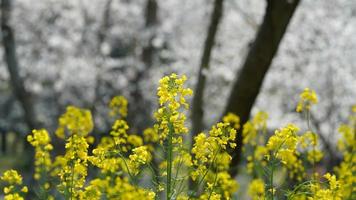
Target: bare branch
{"x":197,"y":105}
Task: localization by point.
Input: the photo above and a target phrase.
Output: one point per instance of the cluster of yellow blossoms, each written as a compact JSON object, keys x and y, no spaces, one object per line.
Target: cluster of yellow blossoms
{"x":41,"y":140}
{"x":283,"y":146}
{"x":256,"y":189}
{"x":211,"y":160}
{"x":140,"y":156}
{"x":118,"y":106}
{"x":307,"y":99}
{"x":254,"y":135}
{"x":122,"y":162}
{"x":172,"y":95}
{"x":77,"y":123}
{"x":14,"y":190}
{"x":120,"y":157}
{"x":294,"y":152}
{"x":347,"y":169}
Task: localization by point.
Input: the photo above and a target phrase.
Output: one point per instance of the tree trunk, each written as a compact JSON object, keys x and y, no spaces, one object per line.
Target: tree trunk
{"x":10,"y":58}
{"x":3,"y":141}
{"x":105,"y":25}
{"x":140,"y":104}
{"x":17,"y":83}
{"x":197,"y":105}
{"x":250,"y":79}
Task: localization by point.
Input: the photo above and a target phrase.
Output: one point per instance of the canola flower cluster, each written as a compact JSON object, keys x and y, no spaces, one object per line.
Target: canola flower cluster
{"x":172,"y":95}
{"x":14,"y":189}
{"x":295,"y":151}
{"x":307,"y":99}
{"x":159,"y":164}
{"x":118,"y":106}
{"x":211,"y":160}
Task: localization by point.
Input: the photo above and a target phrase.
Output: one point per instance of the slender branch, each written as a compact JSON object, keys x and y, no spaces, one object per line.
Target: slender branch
{"x":197,"y":105}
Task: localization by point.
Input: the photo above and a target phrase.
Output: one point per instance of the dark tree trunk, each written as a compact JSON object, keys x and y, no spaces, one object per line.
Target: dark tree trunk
{"x":140,"y":104}
{"x":11,"y":61}
{"x":105,"y":25}
{"x":250,"y":79}
{"x":151,"y":14}
{"x":197,"y":105}
{"x":17,"y":83}
{"x":3,"y":141}
{"x":101,"y":37}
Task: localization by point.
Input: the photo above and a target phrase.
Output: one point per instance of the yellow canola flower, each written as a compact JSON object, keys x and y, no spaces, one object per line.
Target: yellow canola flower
{"x":13,"y":190}
{"x":253,"y":131}
{"x":139,"y":157}
{"x":120,"y":154}
{"x":171,"y":93}
{"x":40,"y":139}
{"x":150,"y":135}
{"x":118,"y":106}
{"x":307,"y":98}
{"x":75,"y":121}
{"x":307,"y":140}
{"x":333,"y":191}
{"x":110,"y":153}
{"x":210,"y":157}
{"x":222,"y":183}
{"x":12,"y":177}
{"x":15,"y":196}
{"x":114,"y":188}
{"x":73,"y":166}
{"x":347,"y":168}
{"x":74,"y":169}
{"x":211,"y":196}
{"x":283,"y":146}
{"x":119,"y":132}
{"x":207,"y":148}
{"x":233,"y":120}
{"x":256,"y":189}
{"x":135,"y":140}
{"x":284,"y":138}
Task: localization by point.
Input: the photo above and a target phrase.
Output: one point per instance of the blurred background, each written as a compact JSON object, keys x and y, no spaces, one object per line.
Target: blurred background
{"x":240,"y":56}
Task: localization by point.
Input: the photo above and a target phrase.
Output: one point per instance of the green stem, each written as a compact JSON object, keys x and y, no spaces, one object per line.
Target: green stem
{"x":169,"y":161}
{"x":200,"y":181}
{"x":212,"y":188}
{"x":44,"y":193}
{"x":314,"y":148}
{"x":155,"y":181}
{"x":271,"y":164}
{"x":72,"y":181}
{"x":127,"y":167}
{"x":314,"y":141}
{"x":271,"y":188}
{"x":72,"y":172}
{"x":177,"y":172}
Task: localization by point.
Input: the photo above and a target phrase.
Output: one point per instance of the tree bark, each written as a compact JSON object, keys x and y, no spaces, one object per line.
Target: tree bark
{"x":3,"y":141}
{"x":197,"y":105}
{"x":147,"y":57}
{"x":12,"y":64}
{"x":151,"y":14}
{"x":105,"y":25}
{"x":250,"y":79}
